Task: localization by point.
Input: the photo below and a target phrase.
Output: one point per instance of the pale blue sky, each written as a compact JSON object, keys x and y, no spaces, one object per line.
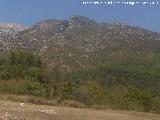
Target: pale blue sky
{"x":30,"y":11}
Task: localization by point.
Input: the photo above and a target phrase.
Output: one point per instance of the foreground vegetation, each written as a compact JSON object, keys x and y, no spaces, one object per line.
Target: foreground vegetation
{"x":126,"y":81}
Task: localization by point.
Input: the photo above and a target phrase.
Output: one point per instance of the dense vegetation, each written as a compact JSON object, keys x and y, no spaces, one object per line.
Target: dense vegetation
{"x":128,"y":81}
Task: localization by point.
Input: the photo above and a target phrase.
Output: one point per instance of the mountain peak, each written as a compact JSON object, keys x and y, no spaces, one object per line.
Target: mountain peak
{"x":80,"y":20}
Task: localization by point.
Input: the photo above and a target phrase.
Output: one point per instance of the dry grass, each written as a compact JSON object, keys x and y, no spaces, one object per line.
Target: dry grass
{"x":29,"y":99}
{"x":43,"y":112}
{"x":42,"y":101}
{"x":73,"y":103}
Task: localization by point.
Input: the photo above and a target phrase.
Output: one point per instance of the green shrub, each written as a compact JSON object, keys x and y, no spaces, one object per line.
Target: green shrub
{"x":90,"y":92}
{"x":155,"y":104}
{"x":33,"y":87}
{"x":68,"y":90}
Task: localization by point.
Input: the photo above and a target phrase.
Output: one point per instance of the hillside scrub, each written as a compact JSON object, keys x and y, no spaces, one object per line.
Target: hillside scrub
{"x":132,"y":82}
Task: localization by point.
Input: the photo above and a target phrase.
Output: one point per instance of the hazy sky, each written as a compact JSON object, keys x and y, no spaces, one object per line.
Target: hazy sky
{"x":30,"y":11}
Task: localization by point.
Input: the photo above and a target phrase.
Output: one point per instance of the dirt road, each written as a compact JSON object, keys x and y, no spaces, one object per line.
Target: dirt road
{"x":23,"y":111}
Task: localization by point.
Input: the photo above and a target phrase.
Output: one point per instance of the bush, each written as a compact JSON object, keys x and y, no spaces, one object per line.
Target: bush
{"x":68,"y":90}
{"x":34,"y":87}
{"x":155,"y":104}
{"x":90,"y":92}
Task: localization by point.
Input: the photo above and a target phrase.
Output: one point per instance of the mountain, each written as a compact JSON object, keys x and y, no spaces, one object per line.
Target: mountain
{"x":78,"y":41}
{"x":8,"y":35}
{"x":12,"y":26}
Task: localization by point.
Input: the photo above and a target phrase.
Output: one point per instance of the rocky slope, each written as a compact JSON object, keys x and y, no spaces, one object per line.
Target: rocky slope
{"x":12,"y":26}
{"x":9,"y":34}
{"x":78,"y":41}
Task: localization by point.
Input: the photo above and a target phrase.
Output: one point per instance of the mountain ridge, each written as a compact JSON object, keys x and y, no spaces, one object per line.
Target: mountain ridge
{"x":80,"y":41}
